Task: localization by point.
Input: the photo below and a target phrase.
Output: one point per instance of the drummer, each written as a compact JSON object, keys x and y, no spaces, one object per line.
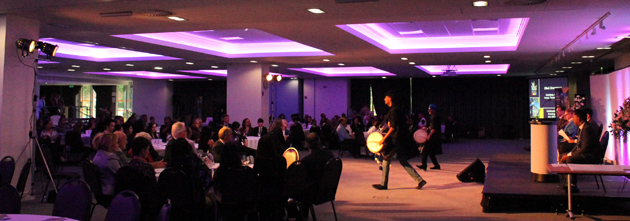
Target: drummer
{"x":397,"y":141}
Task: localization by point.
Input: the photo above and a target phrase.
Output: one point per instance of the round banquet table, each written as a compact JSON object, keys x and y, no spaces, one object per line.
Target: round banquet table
{"x":252,"y":142}
{"x":31,"y":217}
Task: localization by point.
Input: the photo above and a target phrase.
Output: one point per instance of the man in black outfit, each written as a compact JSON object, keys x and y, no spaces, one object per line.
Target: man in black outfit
{"x":587,"y":150}
{"x":314,"y":164}
{"x":433,"y":146}
{"x":258,"y":131}
{"x":398,"y":141}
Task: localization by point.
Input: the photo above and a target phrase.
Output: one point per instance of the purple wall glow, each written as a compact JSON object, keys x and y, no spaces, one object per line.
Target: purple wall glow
{"x":608,"y":93}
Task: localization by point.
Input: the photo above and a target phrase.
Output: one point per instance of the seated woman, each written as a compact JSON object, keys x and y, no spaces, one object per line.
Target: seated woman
{"x":153,"y":131}
{"x":107,"y":161}
{"x":199,"y":175}
{"x":73,"y":139}
{"x":153,"y":158}
{"x":140,"y":150}
{"x":270,"y":184}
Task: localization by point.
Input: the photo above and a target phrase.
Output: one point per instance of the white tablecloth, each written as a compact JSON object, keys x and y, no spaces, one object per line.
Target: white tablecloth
{"x":30,"y":217}
{"x":252,"y":142}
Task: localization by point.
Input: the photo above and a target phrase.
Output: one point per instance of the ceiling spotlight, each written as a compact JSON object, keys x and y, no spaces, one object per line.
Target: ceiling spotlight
{"x":412,"y":63}
{"x":40,"y":67}
{"x":601,"y":25}
{"x":175,"y":18}
{"x":26,"y":45}
{"x":170,"y":79}
{"x":214,"y":66}
{"x":189,"y":63}
{"x":604,"y":48}
{"x":588,"y":56}
{"x":486,"y":56}
{"x":71,"y":70}
{"x":209,"y":79}
{"x":594,"y":31}
{"x":253,"y":61}
{"x":498,"y":75}
{"x":274,"y":65}
{"x":433,"y":76}
{"x":576,"y":62}
{"x":269,"y":77}
{"x":325,"y":59}
{"x":278,"y":77}
{"x":488,"y":61}
{"x":316,"y":11}
{"x":568,"y":67}
{"x":106,"y":69}
{"x":559,"y":71}
{"x":158,"y":68}
{"x":480,"y":3}
{"x":129,"y":65}
{"x":403,"y":58}
{"x":384,"y":77}
{"x":75,"y":66}
{"x":341,"y":64}
{"x":49,"y":49}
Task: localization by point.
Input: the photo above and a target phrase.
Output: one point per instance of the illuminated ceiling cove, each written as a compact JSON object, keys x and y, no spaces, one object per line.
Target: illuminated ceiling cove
{"x":345,"y":71}
{"x":91,"y":52}
{"x":145,"y":74}
{"x":235,"y":43}
{"x":465,"y":69}
{"x":442,"y":36}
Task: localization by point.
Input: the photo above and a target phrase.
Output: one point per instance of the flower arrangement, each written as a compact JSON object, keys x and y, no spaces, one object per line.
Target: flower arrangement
{"x":578,"y":101}
{"x":620,"y":126}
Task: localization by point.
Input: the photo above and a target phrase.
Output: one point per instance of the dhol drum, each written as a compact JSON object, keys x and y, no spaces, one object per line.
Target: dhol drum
{"x":372,"y":142}
{"x":420,"y":136}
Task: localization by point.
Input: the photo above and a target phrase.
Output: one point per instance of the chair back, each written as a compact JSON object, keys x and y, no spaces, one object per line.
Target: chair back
{"x":129,"y":178}
{"x":240,"y":186}
{"x":175,"y":185}
{"x":92,"y":176}
{"x":603,"y":142}
{"x":330,"y":181}
{"x":124,"y":207}
{"x":291,"y":155}
{"x":295,"y":181}
{"x":21,"y":184}
{"x":165,"y":212}
{"x":11,"y":202}
{"x":7,"y":168}
{"x":74,"y":201}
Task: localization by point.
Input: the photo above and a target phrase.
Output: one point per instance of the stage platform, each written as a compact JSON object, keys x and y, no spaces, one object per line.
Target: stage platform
{"x":509,"y":188}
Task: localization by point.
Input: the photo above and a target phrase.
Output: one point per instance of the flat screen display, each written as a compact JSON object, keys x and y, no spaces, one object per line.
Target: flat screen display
{"x":545,"y":95}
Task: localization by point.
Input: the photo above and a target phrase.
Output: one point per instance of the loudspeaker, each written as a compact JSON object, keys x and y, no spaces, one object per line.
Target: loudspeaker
{"x":475,"y":172}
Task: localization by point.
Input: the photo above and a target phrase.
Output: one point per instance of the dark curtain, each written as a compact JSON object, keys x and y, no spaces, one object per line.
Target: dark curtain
{"x":104,"y":99}
{"x":498,"y":106}
{"x":213,"y":96}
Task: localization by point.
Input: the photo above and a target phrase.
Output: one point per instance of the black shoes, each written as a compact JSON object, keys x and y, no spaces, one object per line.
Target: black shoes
{"x":380,"y":187}
{"x":421,"y":184}
{"x":437,"y":167}
{"x":422,"y":167}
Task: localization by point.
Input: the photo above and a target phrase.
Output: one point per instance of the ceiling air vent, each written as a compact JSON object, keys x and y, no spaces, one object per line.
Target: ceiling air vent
{"x":154,"y":13}
{"x":523,"y":2}
{"x":354,"y":1}
{"x":116,"y":14}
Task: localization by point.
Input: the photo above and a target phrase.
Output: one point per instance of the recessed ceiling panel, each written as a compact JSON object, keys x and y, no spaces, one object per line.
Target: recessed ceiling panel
{"x":212,"y":72}
{"x":235,"y":43}
{"x":442,"y":36}
{"x":346,"y":71}
{"x":91,"y":52}
{"x":465,"y":69}
{"x":145,"y":74}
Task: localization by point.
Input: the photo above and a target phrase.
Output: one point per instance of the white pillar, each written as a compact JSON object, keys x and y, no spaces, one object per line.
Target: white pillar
{"x":246,"y":95}
{"x":16,"y":89}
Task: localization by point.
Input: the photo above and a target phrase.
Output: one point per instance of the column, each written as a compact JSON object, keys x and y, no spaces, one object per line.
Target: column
{"x":16,"y":89}
{"x":247,"y":96}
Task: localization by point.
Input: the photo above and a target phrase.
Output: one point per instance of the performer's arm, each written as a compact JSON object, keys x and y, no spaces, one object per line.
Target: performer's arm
{"x":391,"y":129}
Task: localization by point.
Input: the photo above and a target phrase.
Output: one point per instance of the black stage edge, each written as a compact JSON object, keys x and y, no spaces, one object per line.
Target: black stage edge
{"x":509,"y":188}
{"x":545,"y":178}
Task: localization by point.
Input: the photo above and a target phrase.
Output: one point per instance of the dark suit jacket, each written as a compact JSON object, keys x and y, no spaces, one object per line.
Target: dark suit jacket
{"x":254,"y":131}
{"x":217,"y":149}
{"x":314,"y":164}
{"x":588,"y":142}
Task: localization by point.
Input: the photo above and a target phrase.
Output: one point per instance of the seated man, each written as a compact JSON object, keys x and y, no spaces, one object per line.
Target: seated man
{"x":570,"y":129}
{"x":587,"y":150}
{"x":179,"y":131}
{"x":347,"y":139}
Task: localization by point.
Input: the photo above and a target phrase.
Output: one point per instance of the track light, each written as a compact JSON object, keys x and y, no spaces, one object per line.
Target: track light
{"x":26,"y":45}
{"x":601,"y":25}
{"x":49,"y":49}
{"x":278,"y":77}
{"x":269,"y":77}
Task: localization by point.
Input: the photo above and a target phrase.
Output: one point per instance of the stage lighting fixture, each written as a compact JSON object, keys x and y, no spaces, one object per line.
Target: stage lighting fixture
{"x":49,"y":49}
{"x":269,"y":77}
{"x":278,"y":77}
{"x":26,"y":45}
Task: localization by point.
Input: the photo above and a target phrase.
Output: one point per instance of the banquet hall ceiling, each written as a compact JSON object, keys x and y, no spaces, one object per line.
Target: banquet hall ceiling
{"x":550,"y":27}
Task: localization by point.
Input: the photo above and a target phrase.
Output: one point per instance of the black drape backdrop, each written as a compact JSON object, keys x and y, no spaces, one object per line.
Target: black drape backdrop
{"x":498,"y":105}
{"x":212,"y":94}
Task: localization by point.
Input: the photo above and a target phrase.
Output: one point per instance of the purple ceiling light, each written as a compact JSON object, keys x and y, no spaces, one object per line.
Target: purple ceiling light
{"x":90,"y":52}
{"x":212,"y":72}
{"x":345,"y":71}
{"x":442,"y":36}
{"x":235,"y":43}
{"x":145,"y":74}
{"x":466,"y":69}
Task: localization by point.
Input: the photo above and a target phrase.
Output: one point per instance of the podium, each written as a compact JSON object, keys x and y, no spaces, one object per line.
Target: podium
{"x":544,"y":150}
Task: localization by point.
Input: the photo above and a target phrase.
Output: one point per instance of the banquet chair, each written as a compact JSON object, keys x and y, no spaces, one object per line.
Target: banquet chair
{"x":7,"y":168}
{"x":56,"y":175}
{"x":603,"y":141}
{"x":125,"y":207}
{"x":92,"y":176}
{"x":328,"y":187}
{"x":176,"y":186}
{"x":128,"y":178}
{"x":165,"y":212}
{"x":11,"y":202}
{"x":21,"y":184}
{"x":238,"y":198}
{"x":295,"y":181}
{"x":291,"y":155}
{"x":74,"y":201}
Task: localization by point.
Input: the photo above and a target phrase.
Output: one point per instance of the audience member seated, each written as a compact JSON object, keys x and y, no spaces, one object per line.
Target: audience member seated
{"x":107,"y":161}
{"x":107,"y":125}
{"x":258,"y":131}
{"x":246,"y":127}
{"x":165,"y":129}
{"x":587,"y":150}
{"x":122,"y":143}
{"x":230,"y":159}
{"x":74,"y":141}
{"x":347,"y":139}
{"x":315,"y":129}
{"x":51,"y":138}
{"x":140,"y":150}
{"x":179,"y":131}
{"x":62,"y":125}
{"x":225,"y":137}
{"x":566,"y":145}
{"x":153,"y":131}
{"x":276,"y":131}
{"x":314,"y":164}
{"x":153,"y":158}
{"x":195,"y":130}
{"x":237,"y":137}
{"x":205,"y":139}
{"x":199,"y":175}
{"x":296,"y":135}
{"x":270,"y":184}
